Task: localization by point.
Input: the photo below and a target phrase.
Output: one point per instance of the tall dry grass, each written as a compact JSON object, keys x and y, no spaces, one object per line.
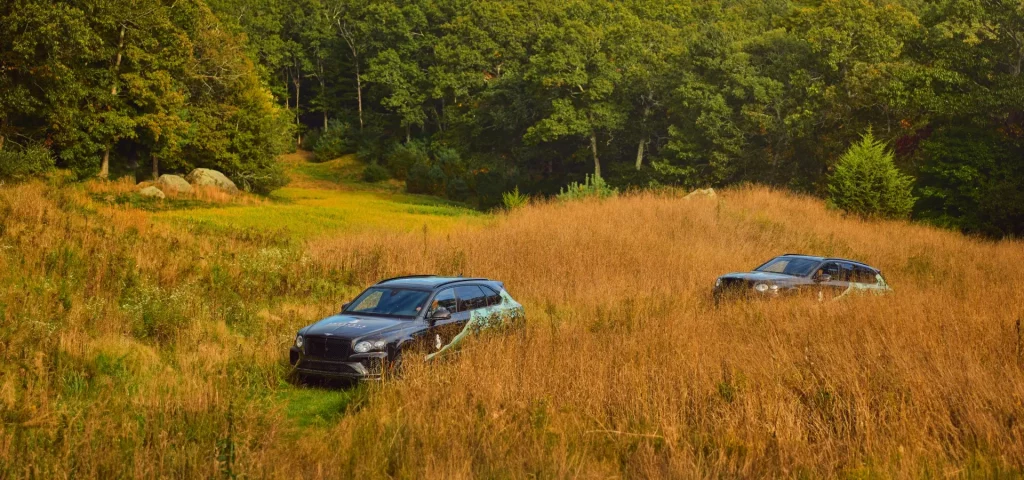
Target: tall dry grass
{"x":166,"y":356}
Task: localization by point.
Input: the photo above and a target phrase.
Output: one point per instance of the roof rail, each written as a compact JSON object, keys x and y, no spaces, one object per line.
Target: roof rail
{"x":404,"y":277}
{"x":461,"y":279}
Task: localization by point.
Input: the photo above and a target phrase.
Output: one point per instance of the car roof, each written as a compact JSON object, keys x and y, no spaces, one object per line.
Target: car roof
{"x":822,"y":259}
{"x":426,"y":281}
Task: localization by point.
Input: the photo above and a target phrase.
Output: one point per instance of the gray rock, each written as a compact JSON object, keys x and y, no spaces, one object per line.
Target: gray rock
{"x":703,"y":192}
{"x":173,"y":184}
{"x":202,"y":177}
{"x":151,"y":192}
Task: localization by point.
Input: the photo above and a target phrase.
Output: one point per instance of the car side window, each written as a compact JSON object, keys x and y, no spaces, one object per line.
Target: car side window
{"x":832,"y":269}
{"x":493,"y":298}
{"x":445,"y":299}
{"x":864,"y":275}
{"x":471,"y":297}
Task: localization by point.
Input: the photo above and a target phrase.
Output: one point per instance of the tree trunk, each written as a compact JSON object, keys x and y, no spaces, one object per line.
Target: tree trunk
{"x":1,"y":142}
{"x":408,"y":134}
{"x":3,"y":126}
{"x":298,"y":91}
{"x":105,"y":163}
{"x":640,"y":154}
{"x":359,"y":95}
{"x":593,"y":148}
{"x":156,"y":167}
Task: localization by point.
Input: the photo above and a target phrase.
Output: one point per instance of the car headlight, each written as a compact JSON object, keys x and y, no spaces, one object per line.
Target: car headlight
{"x":761,"y":287}
{"x":298,"y":341}
{"x":718,"y":282}
{"x":363,"y":347}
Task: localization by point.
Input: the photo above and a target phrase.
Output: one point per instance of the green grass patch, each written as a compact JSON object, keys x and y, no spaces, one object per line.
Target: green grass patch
{"x":313,"y":209}
{"x":315,"y":406}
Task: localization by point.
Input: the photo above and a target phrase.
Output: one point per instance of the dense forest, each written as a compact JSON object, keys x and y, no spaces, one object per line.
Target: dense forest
{"x":472,"y":98}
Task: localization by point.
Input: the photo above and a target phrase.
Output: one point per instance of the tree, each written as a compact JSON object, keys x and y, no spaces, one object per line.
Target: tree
{"x":867,"y":183}
{"x":576,"y":65}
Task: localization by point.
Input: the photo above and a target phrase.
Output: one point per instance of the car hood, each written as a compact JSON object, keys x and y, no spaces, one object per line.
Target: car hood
{"x":354,"y":326}
{"x":761,"y":277}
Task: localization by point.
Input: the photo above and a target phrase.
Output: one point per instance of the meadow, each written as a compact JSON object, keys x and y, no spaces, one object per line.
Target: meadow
{"x":143,"y":340}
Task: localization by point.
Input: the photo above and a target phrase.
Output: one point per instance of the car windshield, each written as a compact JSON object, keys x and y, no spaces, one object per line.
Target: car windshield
{"x":394,"y":302}
{"x":798,"y":267}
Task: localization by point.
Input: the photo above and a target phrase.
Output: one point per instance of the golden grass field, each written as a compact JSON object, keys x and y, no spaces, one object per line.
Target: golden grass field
{"x":139,"y":343}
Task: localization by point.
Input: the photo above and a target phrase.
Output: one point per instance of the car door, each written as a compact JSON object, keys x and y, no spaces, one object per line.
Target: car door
{"x":442,"y":331}
{"x":839,"y":282}
{"x":470,"y":298}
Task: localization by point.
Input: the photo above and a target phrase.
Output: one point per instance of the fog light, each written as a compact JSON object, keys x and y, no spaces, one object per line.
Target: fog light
{"x":761,"y":287}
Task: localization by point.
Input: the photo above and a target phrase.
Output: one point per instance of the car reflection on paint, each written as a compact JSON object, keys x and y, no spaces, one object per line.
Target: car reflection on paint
{"x":426,"y":313}
{"x":824,"y":277}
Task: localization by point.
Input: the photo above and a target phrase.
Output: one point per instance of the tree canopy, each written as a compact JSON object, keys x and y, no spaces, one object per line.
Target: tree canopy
{"x":535,"y":94}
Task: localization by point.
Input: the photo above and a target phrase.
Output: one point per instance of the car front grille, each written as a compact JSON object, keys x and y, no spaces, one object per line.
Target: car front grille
{"x":328,"y":348}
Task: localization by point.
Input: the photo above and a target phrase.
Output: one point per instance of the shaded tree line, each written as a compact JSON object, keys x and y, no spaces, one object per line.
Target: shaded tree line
{"x":472,"y":98}
{"x":135,"y":86}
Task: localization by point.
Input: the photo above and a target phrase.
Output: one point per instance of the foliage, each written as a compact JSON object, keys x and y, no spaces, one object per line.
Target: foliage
{"x":514,"y":200}
{"x":678,"y":93}
{"x":23,"y":163}
{"x":592,"y":187}
{"x":334,"y":142}
{"x":404,"y":157}
{"x":971,"y":180}
{"x":866,"y":182}
{"x":375,"y":173}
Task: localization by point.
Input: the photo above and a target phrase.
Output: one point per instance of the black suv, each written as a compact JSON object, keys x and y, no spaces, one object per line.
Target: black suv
{"x":426,"y":312}
{"x":790,"y":273}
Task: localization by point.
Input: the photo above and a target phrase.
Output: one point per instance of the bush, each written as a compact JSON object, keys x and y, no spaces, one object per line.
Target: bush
{"x":970,"y":179}
{"x":514,"y":200}
{"x":418,"y":178}
{"x":311,"y":138}
{"x":592,"y":187}
{"x":404,"y":156}
{"x":21,"y":164}
{"x":334,"y":142}
{"x":375,"y":173}
{"x":867,"y":183}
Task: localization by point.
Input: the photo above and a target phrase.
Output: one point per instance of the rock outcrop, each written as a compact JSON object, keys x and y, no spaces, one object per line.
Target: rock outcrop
{"x":205,"y":177}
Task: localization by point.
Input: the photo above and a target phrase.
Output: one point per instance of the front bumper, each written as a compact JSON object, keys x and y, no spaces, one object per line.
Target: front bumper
{"x":360,"y":366}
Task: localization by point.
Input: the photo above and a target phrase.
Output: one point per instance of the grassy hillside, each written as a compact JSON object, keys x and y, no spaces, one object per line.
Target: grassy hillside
{"x":149,"y":340}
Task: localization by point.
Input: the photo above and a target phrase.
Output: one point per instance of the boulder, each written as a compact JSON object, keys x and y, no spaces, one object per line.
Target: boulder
{"x":703,"y":192}
{"x":204,"y":177}
{"x":151,"y":192}
{"x":173,"y":184}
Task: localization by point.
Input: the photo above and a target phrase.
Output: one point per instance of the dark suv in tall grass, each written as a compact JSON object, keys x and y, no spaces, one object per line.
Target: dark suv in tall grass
{"x":423,"y":313}
{"x":791,"y":273}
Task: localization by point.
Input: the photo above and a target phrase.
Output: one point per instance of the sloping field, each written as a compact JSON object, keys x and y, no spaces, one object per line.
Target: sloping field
{"x":134,"y":347}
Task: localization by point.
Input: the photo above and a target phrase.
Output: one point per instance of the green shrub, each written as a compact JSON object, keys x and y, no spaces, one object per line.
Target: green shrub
{"x":260,"y":179}
{"x":970,"y":179}
{"x":418,"y":178}
{"x":867,"y":183}
{"x":404,"y":156}
{"x":20,"y":164}
{"x":457,"y":189}
{"x":375,"y":173}
{"x":513,"y":200}
{"x":592,"y":187}
{"x":311,"y":138}
{"x":334,"y":142}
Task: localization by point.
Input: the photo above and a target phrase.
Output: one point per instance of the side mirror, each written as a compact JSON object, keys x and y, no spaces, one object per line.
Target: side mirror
{"x":440,"y":314}
{"x":345,"y":306}
{"x":823,"y":278}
